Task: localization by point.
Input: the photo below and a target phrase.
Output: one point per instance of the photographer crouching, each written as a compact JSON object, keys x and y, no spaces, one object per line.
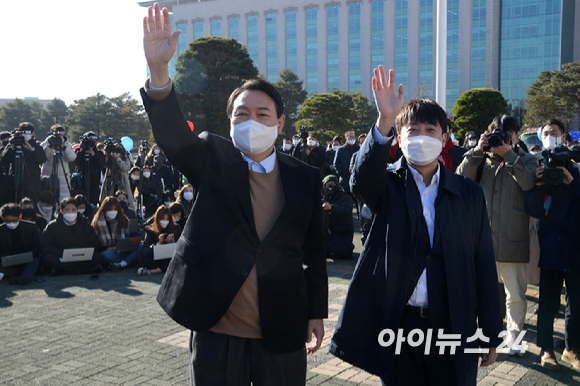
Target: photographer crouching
{"x":89,"y":164}
{"x":555,"y":200}
{"x":59,"y":153}
{"x":24,"y":156}
{"x":337,"y":205}
{"x":116,"y":172}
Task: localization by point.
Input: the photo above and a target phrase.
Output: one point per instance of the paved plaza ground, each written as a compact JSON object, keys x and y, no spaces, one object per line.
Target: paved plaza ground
{"x":72,"y":330}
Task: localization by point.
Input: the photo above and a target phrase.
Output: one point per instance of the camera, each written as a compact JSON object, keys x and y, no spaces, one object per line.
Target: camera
{"x":144,"y":146}
{"x":496,"y":138}
{"x":86,"y":142}
{"x":561,"y":156}
{"x":17,"y":138}
{"x":111,"y":147}
{"x":303,"y":132}
{"x":55,"y":141}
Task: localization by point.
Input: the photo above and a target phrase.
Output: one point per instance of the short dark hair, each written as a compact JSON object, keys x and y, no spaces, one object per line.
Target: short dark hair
{"x":67,"y":201}
{"x":26,"y":201}
{"x":46,"y":196}
{"x":176,"y":207}
{"x":506,"y":123}
{"x":554,"y":121}
{"x":166,"y":194}
{"x":337,"y":138}
{"x":26,"y":126}
{"x":81,"y":200}
{"x":257,"y":85}
{"x":11,"y":209}
{"x":57,"y":127}
{"x":422,"y":111}
{"x":134,"y":169}
{"x":4,"y":135}
{"x":118,"y":192}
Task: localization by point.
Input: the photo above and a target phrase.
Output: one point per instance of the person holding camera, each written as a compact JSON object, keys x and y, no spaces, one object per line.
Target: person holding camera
{"x":340,"y":230}
{"x":555,"y":200}
{"x":59,"y":153}
{"x":25,"y":157}
{"x":16,"y":237}
{"x":90,"y":163}
{"x":309,"y":151}
{"x":117,"y":170}
{"x":506,"y":173}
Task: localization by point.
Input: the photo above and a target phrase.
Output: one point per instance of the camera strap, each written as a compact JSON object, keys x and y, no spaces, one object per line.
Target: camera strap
{"x":480,"y":169}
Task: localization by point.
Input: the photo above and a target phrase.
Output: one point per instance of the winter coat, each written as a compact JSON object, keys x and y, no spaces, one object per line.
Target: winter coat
{"x":342,"y":163}
{"x":124,"y":166}
{"x":68,"y":155}
{"x":340,"y":224}
{"x":506,"y":182}
{"x":57,"y":236}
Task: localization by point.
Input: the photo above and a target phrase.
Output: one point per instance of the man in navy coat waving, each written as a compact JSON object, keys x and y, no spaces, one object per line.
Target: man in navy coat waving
{"x":413,"y":275}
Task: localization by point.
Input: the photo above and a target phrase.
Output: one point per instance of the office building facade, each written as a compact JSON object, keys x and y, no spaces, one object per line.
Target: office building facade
{"x":501,"y":44}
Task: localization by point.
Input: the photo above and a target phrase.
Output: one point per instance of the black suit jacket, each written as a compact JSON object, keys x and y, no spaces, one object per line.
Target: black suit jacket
{"x":219,"y":244}
{"x":30,"y":239}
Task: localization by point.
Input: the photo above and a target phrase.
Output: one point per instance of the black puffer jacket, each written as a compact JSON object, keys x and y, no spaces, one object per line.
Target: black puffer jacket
{"x":58,"y":236}
{"x":340,"y":224}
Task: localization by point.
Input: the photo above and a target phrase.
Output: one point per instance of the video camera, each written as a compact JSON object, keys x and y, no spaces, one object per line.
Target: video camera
{"x":17,"y":137}
{"x":561,"y":156}
{"x":496,"y":138}
{"x":303,"y":133}
{"x":144,"y":146}
{"x":87,"y":142}
{"x":111,"y":147}
{"x":55,"y":141}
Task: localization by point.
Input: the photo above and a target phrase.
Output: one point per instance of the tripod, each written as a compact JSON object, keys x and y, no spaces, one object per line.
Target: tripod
{"x":19,"y":168}
{"x":54,"y":179}
{"x":88,"y":175}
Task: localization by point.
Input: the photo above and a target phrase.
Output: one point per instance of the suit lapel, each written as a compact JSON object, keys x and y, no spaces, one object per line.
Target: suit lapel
{"x":241,"y":189}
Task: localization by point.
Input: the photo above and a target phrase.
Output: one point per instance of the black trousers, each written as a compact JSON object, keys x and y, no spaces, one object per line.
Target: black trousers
{"x":413,"y":368}
{"x":225,"y":360}
{"x":76,"y":268}
{"x":551,"y":282}
{"x":24,"y":273}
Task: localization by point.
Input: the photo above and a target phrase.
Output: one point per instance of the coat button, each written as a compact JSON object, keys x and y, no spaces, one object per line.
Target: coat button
{"x":428,"y":257}
{"x":244,"y":273}
{"x":259,"y":250}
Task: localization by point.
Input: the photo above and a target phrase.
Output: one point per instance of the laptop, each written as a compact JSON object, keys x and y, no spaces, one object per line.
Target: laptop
{"x":133,"y":226}
{"x":21,"y":258}
{"x":128,"y":245}
{"x":163,"y":251}
{"x":77,"y":254}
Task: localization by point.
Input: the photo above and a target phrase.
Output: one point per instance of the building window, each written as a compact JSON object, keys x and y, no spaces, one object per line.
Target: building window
{"x":171,"y":65}
{"x":452,"y":90}
{"x":197,"y":29}
{"x":401,"y":26}
{"x":271,"y":48}
{"x":354,"y":47}
{"x":216,"y":27}
{"x":182,"y":39}
{"x":426,"y":49}
{"x":377,"y":34}
{"x":291,"y":41}
{"x":312,"y":50}
{"x":253,"y":38}
{"x":332,"y":46}
{"x":235,"y":28}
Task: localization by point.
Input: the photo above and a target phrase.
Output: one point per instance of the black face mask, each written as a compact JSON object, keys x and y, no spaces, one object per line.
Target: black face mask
{"x":123,"y":205}
{"x":29,"y":213}
{"x":329,"y":190}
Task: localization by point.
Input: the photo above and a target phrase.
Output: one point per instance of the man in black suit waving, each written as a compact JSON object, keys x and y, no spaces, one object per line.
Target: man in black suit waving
{"x":249,"y":274}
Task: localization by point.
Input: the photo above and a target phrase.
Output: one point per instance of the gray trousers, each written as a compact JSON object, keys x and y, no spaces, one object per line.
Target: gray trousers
{"x":225,"y":360}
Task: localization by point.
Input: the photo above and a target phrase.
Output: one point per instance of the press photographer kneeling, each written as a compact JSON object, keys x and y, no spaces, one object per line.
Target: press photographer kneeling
{"x":555,"y":200}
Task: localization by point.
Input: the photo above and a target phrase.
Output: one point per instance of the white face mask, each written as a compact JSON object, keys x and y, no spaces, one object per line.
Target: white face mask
{"x":253,"y":137}
{"x":335,"y":148}
{"x":146,"y":174}
{"x":46,"y":209}
{"x":12,"y":225}
{"x":188,"y":196}
{"x":167,"y":203}
{"x":164,"y":223}
{"x":296,"y":142}
{"x":69,"y":217}
{"x":81,"y":211}
{"x":287,"y":146}
{"x":351,"y":142}
{"x":27,"y":137}
{"x":134,"y":177}
{"x":311,"y":143}
{"x":421,"y":150}
{"x":111,"y":214}
{"x":472,"y":143}
{"x":176,"y":220}
{"x":551,"y":142}
{"x":156,"y":151}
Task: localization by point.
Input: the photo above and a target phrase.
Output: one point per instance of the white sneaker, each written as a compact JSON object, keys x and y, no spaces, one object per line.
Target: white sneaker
{"x":143,"y":271}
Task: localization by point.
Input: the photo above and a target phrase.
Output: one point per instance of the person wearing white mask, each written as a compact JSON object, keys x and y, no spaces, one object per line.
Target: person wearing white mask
{"x":287,"y":146}
{"x":67,"y":155}
{"x":553,"y":134}
{"x":162,"y":231}
{"x":248,"y":277}
{"x":68,"y":231}
{"x":413,"y":275}
{"x":330,"y":154}
{"x":185,"y":198}
{"x":45,"y":205}
{"x":151,"y":188}
{"x":18,"y":237}
{"x":32,"y":158}
{"x":312,"y":153}
{"x":342,"y":159}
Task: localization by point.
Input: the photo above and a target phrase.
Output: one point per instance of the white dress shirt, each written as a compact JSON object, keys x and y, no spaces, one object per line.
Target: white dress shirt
{"x":264,"y":166}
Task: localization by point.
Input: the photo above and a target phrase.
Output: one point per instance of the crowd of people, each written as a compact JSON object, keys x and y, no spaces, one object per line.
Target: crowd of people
{"x":57,"y":196}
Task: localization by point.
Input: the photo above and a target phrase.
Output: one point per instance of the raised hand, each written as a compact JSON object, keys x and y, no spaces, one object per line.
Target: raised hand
{"x":159,"y":44}
{"x":386,"y":99}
